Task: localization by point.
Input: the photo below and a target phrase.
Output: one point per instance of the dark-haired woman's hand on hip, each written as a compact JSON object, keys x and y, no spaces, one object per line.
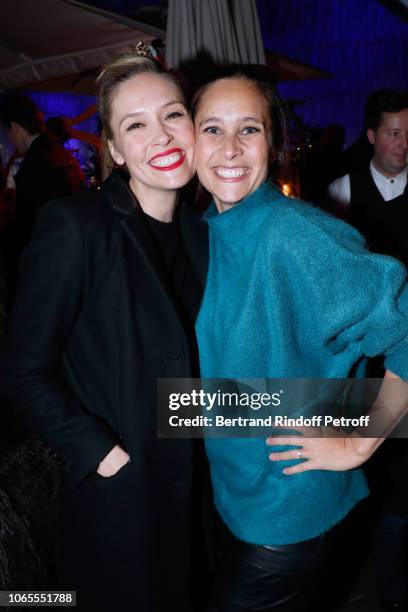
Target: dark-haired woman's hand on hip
{"x":337,"y":454}
{"x":335,"y":450}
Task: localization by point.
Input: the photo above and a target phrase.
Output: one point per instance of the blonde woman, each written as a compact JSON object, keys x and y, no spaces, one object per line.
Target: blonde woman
{"x":110,"y":286}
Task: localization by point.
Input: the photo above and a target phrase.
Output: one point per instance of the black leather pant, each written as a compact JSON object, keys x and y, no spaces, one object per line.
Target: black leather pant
{"x":277,"y":579}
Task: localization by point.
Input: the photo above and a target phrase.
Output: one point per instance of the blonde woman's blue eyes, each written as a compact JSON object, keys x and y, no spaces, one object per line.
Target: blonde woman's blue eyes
{"x":134,"y":126}
{"x":175,"y":115}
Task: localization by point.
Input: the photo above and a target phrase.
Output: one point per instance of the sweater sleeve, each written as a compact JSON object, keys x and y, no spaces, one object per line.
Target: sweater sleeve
{"x":47,"y":305}
{"x":354,"y":296}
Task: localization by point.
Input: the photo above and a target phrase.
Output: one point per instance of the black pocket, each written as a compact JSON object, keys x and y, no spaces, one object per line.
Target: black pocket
{"x":97,"y":478}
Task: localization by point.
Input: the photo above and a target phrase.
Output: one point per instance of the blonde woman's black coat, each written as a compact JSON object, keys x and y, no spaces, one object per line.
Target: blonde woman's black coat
{"x":93,"y":327}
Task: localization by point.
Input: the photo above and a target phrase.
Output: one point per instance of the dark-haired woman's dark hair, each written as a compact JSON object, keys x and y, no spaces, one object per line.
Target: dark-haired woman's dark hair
{"x":263,"y":80}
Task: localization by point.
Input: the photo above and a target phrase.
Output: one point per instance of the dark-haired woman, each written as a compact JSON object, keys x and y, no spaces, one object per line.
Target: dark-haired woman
{"x":109,"y":290}
{"x":291,"y":293}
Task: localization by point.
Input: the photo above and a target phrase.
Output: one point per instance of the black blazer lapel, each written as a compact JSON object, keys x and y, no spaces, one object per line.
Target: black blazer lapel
{"x":135,"y":226}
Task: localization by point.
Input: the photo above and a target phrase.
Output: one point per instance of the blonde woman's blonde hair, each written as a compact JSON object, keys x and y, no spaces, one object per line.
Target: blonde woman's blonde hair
{"x":124,"y":67}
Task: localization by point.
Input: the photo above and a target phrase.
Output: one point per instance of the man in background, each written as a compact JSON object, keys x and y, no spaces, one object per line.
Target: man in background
{"x":374,"y":196}
{"x":47,"y":171}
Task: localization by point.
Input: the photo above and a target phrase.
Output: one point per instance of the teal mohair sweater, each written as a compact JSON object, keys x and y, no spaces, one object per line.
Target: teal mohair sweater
{"x":291,"y":293}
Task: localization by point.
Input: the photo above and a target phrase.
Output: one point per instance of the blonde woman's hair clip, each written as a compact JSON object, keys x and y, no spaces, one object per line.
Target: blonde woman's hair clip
{"x":142,"y":50}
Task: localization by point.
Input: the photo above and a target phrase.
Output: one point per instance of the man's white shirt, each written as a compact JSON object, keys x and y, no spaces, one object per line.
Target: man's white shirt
{"x":339,"y":190}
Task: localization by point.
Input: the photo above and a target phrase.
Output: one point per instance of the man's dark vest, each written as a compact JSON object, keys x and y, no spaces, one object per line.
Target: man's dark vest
{"x":383,"y":224}
{"x":385,"y":227}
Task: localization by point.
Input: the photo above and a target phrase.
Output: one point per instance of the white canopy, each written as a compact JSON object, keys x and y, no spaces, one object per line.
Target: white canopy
{"x":48,"y":39}
{"x":59,"y":45}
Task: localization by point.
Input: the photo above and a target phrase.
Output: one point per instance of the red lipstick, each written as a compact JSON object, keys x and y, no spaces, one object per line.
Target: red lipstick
{"x":176,"y":164}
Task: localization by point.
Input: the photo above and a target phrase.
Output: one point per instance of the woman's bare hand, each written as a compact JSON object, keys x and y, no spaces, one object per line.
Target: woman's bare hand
{"x":333,"y":450}
{"x":113,"y":462}
{"x":324,"y":453}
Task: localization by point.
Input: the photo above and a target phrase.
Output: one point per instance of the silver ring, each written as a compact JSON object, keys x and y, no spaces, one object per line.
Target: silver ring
{"x":300,"y":454}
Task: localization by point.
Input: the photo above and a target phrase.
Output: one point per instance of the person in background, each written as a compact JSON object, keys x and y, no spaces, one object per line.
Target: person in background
{"x":47,"y":171}
{"x":374,"y":198}
{"x":291,"y":293}
{"x":109,"y":288}
{"x":321,"y":162}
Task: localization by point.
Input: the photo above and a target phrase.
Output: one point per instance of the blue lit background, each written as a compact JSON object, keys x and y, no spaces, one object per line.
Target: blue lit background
{"x":360,"y":42}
